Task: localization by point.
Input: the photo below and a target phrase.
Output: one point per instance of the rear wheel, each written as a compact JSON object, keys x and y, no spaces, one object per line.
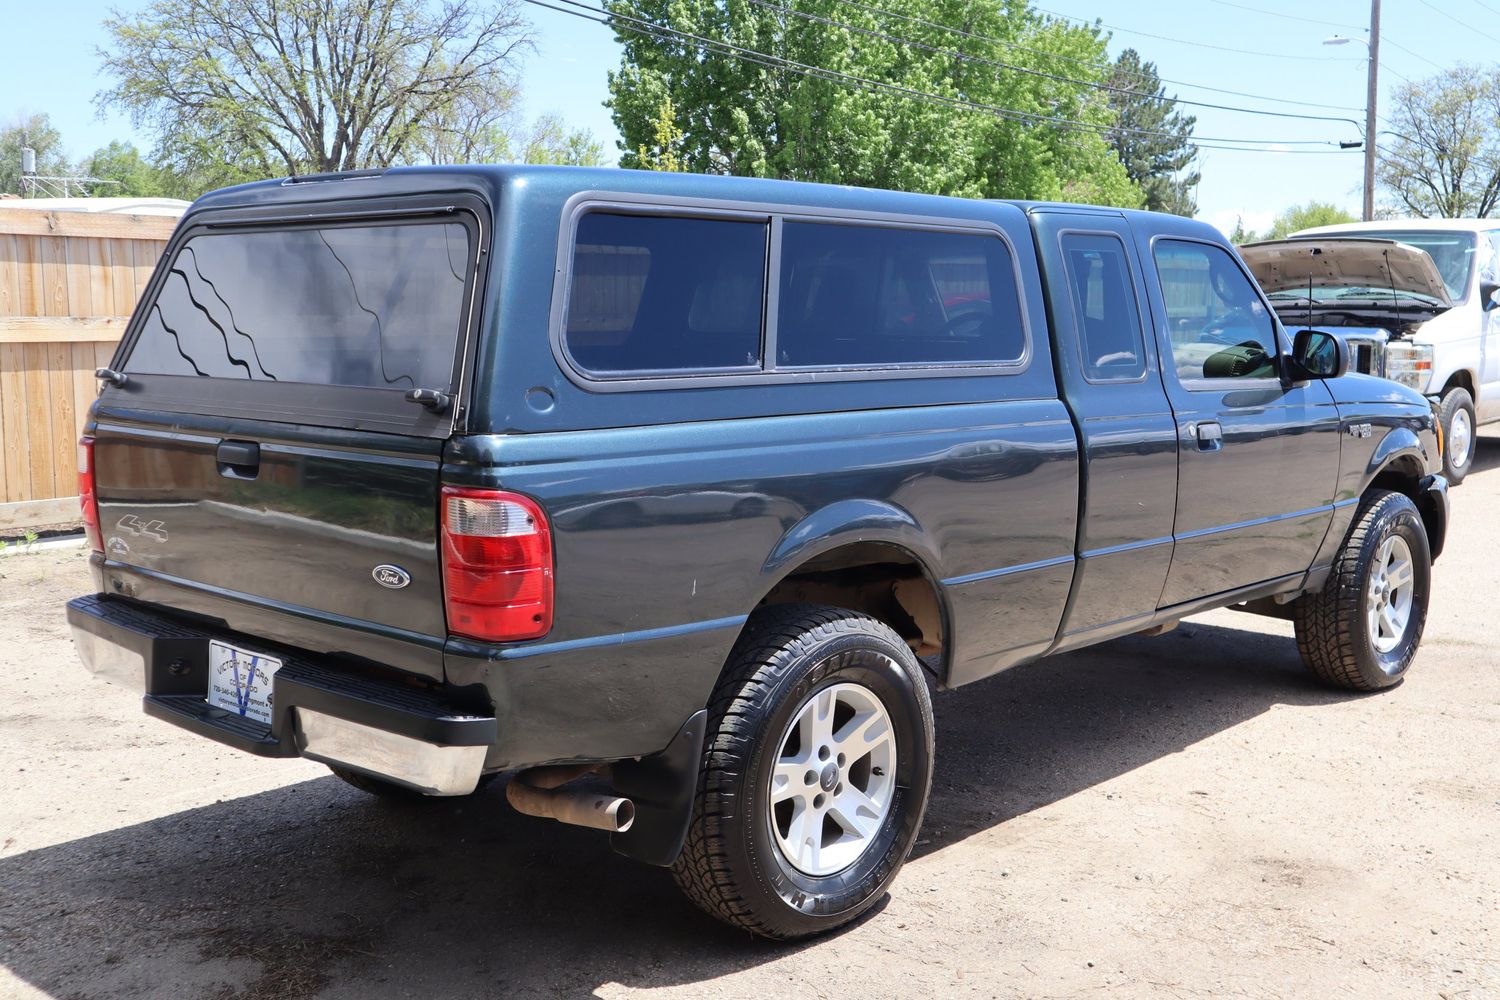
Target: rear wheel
{"x":815,"y":773}
{"x":1362,"y":630}
{"x":1456,"y":412}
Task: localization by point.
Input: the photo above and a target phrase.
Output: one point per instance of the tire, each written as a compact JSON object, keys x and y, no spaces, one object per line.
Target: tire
{"x":791,"y":664}
{"x":391,"y":791}
{"x":1457,"y":415}
{"x":1339,"y":630}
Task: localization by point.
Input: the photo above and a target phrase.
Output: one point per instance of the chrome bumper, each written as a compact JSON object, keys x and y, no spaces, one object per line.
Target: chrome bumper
{"x":416,"y":737}
{"x":422,"y":767}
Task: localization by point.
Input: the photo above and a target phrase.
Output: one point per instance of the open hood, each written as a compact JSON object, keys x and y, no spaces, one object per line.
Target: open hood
{"x":1344,"y":262}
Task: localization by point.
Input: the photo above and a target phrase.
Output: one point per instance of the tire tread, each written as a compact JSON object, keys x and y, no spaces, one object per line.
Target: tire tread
{"x":763,"y":654}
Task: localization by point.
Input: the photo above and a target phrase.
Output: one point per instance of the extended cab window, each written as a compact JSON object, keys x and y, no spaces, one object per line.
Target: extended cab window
{"x":870,"y":295}
{"x":369,"y":306}
{"x":1219,"y":326}
{"x":661,"y":294}
{"x":1109,"y":323}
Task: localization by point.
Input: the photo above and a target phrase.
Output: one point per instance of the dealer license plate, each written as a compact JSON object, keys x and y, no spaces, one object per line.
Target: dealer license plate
{"x":239,"y":680}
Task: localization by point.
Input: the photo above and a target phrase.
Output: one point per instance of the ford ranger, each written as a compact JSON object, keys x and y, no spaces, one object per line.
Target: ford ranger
{"x":672,"y":496}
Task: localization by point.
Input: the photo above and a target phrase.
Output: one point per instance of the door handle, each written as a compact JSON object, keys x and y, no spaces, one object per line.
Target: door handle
{"x":238,"y":459}
{"x":1210,"y":435}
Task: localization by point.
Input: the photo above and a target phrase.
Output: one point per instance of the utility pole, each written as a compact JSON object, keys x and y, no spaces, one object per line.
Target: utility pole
{"x":1371,"y":92}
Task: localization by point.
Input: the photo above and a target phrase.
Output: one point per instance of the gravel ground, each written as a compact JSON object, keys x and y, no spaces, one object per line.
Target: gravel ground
{"x":1184,"y":816}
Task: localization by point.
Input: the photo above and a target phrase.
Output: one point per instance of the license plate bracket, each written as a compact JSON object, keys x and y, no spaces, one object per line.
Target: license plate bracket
{"x":240,"y":680}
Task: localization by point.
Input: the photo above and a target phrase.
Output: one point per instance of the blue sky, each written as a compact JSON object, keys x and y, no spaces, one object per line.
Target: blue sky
{"x":1271,"y":48}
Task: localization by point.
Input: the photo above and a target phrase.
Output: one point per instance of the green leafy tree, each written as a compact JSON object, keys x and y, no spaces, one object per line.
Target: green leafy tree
{"x":1151,"y":137}
{"x":34,"y":132}
{"x":666,"y":141}
{"x":550,"y":141}
{"x":847,"y":94}
{"x":1300,"y":217}
{"x":1444,"y":162}
{"x":306,"y":85}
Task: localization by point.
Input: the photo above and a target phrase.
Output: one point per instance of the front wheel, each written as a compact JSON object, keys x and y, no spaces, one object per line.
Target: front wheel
{"x":1456,"y":413}
{"x":1362,"y":630}
{"x":815,"y":773}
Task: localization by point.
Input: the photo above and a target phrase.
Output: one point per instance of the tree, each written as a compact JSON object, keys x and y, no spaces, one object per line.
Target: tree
{"x":1300,"y":217}
{"x":302,"y":86}
{"x":1445,"y":160}
{"x":133,"y":175}
{"x":666,"y":141}
{"x":550,"y":141}
{"x":1151,"y":137}
{"x":848,"y":94}
{"x":33,"y":132}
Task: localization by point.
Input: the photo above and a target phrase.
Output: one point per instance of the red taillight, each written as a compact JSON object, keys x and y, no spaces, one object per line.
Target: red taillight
{"x":497,"y":565}
{"x":88,"y":500}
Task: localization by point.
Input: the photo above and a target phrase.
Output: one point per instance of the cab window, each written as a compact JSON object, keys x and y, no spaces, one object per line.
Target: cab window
{"x":1220,"y":328}
{"x":1109,"y":324}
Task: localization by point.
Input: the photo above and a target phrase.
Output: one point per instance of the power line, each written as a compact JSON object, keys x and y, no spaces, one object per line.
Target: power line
{"x":1289,"y":17}
{"x":643,"y":27}
{"x":966,"y":57}
{"x":1105,"y":67}
{"x":1461,"y":24}
{"x":1198,"y":45}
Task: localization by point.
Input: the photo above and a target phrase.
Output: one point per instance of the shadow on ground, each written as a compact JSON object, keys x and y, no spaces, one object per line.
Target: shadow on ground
{"x":314,"y":887}
{"x":1486,"y":453}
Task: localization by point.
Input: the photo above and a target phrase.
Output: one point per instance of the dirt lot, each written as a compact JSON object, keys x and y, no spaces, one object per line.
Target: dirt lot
{"x":1186,"y":816}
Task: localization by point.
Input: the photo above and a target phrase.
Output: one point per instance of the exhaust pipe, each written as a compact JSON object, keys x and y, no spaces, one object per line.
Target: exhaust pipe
{"x":537,"y":792}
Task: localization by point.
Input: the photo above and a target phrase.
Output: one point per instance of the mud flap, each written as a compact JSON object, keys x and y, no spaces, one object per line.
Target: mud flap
{"x":663,"y":788}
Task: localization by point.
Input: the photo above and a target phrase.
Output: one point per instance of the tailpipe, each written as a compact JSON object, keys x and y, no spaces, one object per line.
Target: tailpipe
{"x":537,"y":791}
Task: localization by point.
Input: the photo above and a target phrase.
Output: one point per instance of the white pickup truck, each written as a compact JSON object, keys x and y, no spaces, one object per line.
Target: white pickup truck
{"x":1416,"y":301}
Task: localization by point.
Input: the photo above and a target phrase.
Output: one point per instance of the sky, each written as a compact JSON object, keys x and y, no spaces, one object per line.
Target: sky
{"x":1269,"y":48}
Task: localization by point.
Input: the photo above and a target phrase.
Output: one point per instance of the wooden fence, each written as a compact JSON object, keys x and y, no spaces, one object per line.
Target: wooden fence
{"x":68,"y":283}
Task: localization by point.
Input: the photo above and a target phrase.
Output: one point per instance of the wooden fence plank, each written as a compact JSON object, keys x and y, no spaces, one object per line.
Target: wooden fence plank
{"x":122,"y":274}
{"x":10,"y":291}
{"x":53,"y":255}
{"x":60,"y":329}
{"x":38,"y":421}
{"x":80,"y":278}
{"x":64,"y":420}
{"x":28,"y":276}
{"x":101,"y":225}
{"x":85,"y":386}
{"x":13,"y":400}
{"x":30,"y":513}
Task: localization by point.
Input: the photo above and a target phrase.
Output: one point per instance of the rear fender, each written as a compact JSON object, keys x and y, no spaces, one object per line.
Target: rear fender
{"x":845,"y":523}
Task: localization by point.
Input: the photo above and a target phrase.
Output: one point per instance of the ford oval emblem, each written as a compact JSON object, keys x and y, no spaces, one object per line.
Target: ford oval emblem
{"x":390,"y":577}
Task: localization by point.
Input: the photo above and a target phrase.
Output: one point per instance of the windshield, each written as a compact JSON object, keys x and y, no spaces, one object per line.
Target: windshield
{"x":1450,"y":251}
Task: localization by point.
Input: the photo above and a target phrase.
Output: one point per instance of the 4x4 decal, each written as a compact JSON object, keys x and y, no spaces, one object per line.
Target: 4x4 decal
{"x":149,"y":529}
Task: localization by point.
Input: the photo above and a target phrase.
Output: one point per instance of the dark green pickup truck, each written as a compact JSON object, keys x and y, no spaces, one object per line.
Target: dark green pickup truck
{"x":674,"y":495}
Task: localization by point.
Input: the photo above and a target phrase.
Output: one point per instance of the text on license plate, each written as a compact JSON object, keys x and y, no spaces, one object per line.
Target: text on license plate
{"x":239,"y":680}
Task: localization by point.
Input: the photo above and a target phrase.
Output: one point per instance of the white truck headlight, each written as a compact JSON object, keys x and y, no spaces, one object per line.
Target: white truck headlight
{"x":1409,"y":363}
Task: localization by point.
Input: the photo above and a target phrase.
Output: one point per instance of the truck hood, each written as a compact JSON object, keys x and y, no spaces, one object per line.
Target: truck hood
{"x":1292,"y":265}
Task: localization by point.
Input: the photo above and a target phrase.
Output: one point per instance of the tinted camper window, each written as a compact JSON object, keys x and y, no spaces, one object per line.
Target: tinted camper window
{"x":875,"y":296}
{"x":370,"y":306}
{"x":659,"y":294}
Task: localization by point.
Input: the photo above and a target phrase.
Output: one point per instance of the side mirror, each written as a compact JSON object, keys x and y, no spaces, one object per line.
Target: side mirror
{"x":1318,"y":354}
{"x":1487,"y":290}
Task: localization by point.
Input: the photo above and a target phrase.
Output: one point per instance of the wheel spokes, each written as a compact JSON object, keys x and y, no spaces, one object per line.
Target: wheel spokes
{"x":836,"y":762}
{"x":788,"y":779}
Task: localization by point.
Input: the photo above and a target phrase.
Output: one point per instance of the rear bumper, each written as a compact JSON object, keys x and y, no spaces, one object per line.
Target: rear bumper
{"x":414,"y":736}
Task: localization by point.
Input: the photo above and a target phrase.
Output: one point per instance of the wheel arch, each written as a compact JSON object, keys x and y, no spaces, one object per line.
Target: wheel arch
{"x":868,"y":556}
{"x":1461,"y":378}
{"x":1404,"y":472}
